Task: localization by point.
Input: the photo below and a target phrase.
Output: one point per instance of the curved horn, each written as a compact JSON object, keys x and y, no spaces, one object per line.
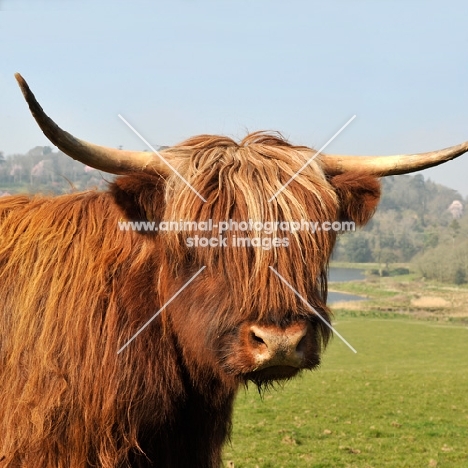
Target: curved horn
{"x":100,"y":157}
{"x":382,"y":166}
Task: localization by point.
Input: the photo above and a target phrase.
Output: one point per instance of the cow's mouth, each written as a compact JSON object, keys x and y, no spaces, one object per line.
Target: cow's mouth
{"x":273,"y":373}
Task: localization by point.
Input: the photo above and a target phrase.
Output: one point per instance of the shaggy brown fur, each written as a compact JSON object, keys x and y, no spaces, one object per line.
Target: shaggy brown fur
{"x":74,"y":289}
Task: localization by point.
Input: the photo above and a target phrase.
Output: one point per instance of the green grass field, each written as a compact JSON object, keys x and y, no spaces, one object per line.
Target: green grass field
{"x":402,"y":401}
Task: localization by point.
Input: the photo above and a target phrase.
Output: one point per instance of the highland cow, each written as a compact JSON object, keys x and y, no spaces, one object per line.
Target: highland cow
{"x":75,"y":289}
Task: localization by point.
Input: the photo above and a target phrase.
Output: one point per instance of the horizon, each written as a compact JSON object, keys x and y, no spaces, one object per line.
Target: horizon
{"x":56,"y":151}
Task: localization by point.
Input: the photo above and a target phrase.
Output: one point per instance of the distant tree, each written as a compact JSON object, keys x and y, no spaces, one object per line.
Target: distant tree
{"x":419,"y":187}
{"x":358,"y":250}
{"x":446,"y":263}
{"x":2,"y":157}
{"x":407,"y":248}
{"x":455,"y":228}
{"x":431,"y":239}
{"x":460,"y":276}
{"x":387,"y":256}
{"x":387,"y":239}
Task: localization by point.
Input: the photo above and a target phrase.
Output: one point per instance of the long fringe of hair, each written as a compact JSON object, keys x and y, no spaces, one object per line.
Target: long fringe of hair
{"x":238,"y":181}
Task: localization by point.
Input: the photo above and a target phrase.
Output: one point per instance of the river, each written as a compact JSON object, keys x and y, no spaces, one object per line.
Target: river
{"x":341,"y":275}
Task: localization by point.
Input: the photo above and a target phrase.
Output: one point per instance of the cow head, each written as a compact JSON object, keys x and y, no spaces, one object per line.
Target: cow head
{"x":258,"y":310}
{"x":239,"y":314}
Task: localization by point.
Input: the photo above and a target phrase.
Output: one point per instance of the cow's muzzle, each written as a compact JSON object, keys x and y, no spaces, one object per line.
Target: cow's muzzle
{"x":272,"y":346}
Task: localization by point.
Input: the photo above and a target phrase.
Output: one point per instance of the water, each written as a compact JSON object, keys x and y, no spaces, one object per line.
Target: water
{"x":342,"y":275}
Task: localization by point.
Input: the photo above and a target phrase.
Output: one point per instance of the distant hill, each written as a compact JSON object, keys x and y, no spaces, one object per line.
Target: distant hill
{"x":417,"y":221}
{"x":46,"y":171}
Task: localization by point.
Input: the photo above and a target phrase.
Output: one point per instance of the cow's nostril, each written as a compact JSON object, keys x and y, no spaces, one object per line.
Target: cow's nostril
{"x":256,"y":339}
{"x":301,"y":345}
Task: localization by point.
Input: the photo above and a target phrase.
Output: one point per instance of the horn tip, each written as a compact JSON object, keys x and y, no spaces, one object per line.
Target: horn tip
{"x":23,"y":85}
{"x":21,"y":81}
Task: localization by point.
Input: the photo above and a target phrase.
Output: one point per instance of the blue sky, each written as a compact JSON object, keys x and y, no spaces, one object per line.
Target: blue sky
{"x":183,"y":67}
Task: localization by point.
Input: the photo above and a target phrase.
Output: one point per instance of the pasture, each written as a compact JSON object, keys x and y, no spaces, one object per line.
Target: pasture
{"x":402,"y":401}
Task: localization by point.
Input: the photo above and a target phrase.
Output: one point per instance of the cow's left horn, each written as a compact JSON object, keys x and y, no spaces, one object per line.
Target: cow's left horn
{"x":381,"y":166}
{"x":100,"y":157}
